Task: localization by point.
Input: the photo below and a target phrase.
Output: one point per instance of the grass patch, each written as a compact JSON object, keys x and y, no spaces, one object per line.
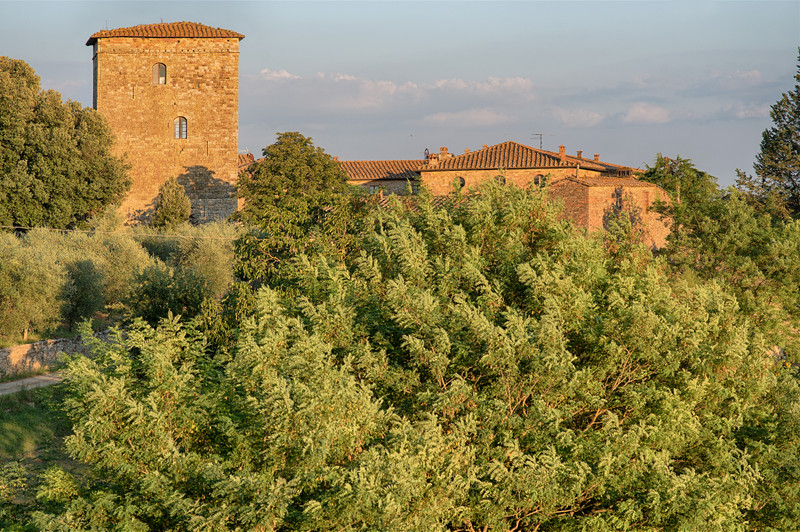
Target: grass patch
{"x":31,"y":421}
{"x":32,"y":431}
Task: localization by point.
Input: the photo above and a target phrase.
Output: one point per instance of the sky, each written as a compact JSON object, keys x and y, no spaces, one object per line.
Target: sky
{"x":386,"y":80}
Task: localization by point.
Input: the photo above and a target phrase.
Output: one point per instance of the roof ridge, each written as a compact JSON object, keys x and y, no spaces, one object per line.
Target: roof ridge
{"x":166,"y":30}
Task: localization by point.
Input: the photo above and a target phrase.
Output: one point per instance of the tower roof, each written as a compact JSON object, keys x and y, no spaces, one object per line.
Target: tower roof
{"x":166,"y":30}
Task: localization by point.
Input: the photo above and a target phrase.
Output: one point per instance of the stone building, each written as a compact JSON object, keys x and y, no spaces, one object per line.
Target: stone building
{"x":587,"y":187}
{"x":170,"y":92}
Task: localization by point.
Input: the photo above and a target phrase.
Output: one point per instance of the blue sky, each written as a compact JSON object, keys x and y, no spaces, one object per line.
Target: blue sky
{"x":385,"y":80}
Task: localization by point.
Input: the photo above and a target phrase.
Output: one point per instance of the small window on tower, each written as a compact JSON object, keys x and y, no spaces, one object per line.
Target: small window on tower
{"x":180,"y":128}
{"x":159,"y":74}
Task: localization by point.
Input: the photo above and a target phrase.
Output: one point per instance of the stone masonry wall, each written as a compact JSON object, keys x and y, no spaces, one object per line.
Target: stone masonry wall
{"x":38,"y":356}
{"x":202,"y":85}
{"x":587,"y":205}
{"x":441,"y":182}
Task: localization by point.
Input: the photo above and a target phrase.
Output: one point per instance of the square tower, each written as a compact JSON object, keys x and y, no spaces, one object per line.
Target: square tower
{"x":170,"y":92}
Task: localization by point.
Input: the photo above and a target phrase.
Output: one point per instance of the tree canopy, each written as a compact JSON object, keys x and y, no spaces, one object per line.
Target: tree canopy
{"x":173,"y":206}
{"x":293,"y":198}
{"x":777,"y":165}
{"x":56,"y":168}
{"x":481,"y":366}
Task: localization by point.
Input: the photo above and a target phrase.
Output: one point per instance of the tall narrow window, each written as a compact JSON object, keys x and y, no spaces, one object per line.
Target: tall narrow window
{"x":180,"y":128}
{"x":159,"y":74}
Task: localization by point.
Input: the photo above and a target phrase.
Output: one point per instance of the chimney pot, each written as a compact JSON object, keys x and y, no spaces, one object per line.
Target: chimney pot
{"x":443,"y":149}
{"x":597,"y":157}
{"x":562,"y":152}
{"x":580,"y":154}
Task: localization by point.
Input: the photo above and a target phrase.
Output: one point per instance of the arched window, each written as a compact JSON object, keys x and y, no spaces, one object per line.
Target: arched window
{"x":180,"y":128}
{"x":500,"y":179}
{"x":540,"y":180}
{"x":159,"y":74}
{"x":461,"y":182}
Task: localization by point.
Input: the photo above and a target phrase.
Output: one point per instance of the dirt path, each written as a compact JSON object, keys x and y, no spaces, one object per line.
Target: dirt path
{"x":30,"y":383}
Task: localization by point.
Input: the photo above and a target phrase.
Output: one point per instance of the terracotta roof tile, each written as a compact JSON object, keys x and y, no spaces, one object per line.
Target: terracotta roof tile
{"x":511,"y":154}
{"x":166,"y":29}
{"x":371,"y":170}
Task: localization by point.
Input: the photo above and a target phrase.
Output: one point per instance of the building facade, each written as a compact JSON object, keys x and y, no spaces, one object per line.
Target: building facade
{"x":586,"y":187}
{"x":170,"y":92}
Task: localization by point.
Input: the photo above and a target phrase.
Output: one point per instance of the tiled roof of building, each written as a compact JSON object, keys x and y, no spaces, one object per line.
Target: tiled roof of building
{"x":166,"y":29}
{"x":372,"y":170}
{"x":510,"y":155}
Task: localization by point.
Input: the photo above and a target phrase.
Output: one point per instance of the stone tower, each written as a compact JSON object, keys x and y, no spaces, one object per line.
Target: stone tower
{"x":170,"y":92}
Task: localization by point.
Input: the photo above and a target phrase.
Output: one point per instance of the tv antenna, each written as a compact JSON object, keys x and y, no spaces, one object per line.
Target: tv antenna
{"x":540,"y":135}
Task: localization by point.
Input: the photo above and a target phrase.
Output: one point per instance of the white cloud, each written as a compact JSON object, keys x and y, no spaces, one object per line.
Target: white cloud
{"x":578,"y":117}
{"x":749,"y":77}
{"x":744,"y":111}
{"x":646,"y":113}
{"x":468,"y":117}
{"x":277,"y":74}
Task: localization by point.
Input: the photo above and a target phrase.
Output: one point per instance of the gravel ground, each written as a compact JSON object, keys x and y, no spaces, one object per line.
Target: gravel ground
{"x":28,"y":384}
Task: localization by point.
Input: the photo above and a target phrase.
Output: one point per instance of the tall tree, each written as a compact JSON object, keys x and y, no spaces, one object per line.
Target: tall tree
{"x":777,"y":165}
{"x":56,"y":168}
{"x":293,"y":194}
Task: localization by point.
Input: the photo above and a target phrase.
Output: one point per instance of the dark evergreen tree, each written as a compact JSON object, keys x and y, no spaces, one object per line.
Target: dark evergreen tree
{"x":777,"y":165}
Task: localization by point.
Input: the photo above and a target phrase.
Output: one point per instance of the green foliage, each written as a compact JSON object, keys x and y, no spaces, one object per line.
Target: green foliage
{"x":160,"y":291}
{"x":83,"y":292}
{"x":475,"y":367}
{"x":30,"y":289}
{"x":753,"y":253}
{"x":172,"y":206}
{"x":686,"y":185}
{"x":622,"y":222}
{"x":777,"y":165}
{"x":292,"y":197}
{"x":56,"y":169}
{"x":51,"y":278}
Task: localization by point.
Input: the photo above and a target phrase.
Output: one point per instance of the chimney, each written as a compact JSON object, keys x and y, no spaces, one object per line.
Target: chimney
{"x":597,"y":157}
{"x":485,"y":146}
{"x":336,"y":158}
{"x":466,"y":150}
{"x":562,"y":153}
{"x":443,"y":153}
{"x":580,"y":154}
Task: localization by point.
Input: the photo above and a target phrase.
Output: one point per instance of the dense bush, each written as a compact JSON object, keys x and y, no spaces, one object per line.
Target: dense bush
{"x":475,"y":367}
{"x":173,"y":207}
